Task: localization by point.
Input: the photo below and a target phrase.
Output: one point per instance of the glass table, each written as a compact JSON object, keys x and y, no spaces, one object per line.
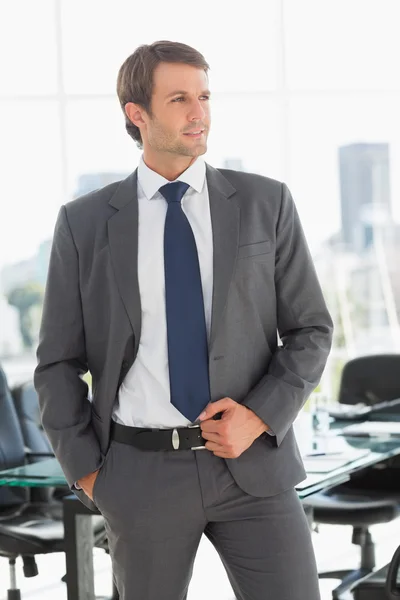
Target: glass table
{"x":330,"y":460}
{"x":337,"y":457}
{"x":45,"y":473}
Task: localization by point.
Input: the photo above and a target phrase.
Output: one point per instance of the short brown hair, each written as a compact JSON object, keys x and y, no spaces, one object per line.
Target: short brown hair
{"x":135,"y":77}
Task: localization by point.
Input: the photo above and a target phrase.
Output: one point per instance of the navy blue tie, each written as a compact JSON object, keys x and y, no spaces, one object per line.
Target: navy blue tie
{"x":186,"y":325}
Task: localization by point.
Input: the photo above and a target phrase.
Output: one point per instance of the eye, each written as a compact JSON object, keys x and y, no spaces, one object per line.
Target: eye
{"x":182,"y":98}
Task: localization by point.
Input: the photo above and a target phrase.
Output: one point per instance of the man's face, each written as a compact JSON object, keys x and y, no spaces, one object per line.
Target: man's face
{"x":180,"y":106}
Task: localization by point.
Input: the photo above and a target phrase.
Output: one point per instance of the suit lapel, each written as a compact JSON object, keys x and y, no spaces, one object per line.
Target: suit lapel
{"x":225,"y":226}
{"x":123,"y":240}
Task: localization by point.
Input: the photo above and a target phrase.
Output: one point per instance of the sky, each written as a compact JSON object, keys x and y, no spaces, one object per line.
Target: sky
{"x":291,"y":82}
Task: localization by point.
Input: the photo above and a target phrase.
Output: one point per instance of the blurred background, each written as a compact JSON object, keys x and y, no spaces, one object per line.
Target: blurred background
{"x":307,"y":92}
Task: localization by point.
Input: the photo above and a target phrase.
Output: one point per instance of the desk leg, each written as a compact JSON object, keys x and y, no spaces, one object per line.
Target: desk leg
{"x":78,"y":552}
{"x":309,"y":512}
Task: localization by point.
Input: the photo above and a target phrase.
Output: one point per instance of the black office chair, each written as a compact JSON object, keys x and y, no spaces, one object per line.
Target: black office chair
{"x":28,"y":528}
{"x":392,"y":584}
{"x":382,"y":584}
{"x":11,"y":497}
{"x":26,"y":404}
{"x":36,"y":443}
{"x":369,"y":497}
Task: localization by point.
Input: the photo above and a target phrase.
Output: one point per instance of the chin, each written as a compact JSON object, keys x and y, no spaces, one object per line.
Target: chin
{"x":193,"y":152}
{"x":202,"y":149}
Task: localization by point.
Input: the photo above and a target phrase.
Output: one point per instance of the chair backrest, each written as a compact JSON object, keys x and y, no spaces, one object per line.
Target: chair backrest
{"x":370,"y":379}
{"x":393,"y":576}
{"x":12,"y":452}
{"x":27,"y":406}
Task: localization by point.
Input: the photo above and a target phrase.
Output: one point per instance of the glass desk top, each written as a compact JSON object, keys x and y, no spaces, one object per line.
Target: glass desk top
{"x":45,"y":473}
{"x":336,"y":457}
{"x":331,"y":461}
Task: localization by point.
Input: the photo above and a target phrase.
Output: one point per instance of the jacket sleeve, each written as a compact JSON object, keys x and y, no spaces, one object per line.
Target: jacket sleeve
{"x":63,"y":395}
{"x":304,"y":325}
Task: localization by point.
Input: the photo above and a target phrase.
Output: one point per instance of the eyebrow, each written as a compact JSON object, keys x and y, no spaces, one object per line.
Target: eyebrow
{"x":183,"y":93}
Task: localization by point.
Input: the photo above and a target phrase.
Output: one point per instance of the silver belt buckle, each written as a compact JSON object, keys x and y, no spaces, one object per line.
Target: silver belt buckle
{"x":196,"y":447}
{"x":175,"y":439}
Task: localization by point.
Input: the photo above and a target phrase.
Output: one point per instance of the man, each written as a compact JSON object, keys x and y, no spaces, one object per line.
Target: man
{"x":170,"y":288}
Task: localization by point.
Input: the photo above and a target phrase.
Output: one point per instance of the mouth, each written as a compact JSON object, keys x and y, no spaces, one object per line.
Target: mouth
{"x":196,"y":133}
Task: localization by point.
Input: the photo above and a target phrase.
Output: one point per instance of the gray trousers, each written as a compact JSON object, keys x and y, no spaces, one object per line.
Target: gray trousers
{"x":156,"y":507}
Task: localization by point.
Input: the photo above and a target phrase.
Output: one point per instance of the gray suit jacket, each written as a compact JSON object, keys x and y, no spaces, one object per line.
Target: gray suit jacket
{"x":264,"y":283}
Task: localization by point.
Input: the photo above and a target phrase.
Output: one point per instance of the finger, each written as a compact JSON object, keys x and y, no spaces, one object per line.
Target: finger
{"x":222,"y":455}
{"x":212,"y":437}
{"x":213,"y":446}
{"x":88,"y":494}
{"x":211,"y":426}
{"x":215,"y":407}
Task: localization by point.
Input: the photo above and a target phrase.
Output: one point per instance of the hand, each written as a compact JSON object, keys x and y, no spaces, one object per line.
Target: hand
{"x":87,"y":483}
{"x":237,"y":429}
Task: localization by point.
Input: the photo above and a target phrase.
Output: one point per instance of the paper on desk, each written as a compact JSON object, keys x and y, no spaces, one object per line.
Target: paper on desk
{"x":325,"y":464}
{"x":380,"y":429}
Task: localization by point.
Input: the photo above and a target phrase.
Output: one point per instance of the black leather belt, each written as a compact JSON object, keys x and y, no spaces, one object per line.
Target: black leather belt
{"x":180,"y":438}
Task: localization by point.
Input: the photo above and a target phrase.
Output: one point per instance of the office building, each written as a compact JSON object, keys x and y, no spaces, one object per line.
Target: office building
{"x":364,"y":192}
{"x":94,"y":181}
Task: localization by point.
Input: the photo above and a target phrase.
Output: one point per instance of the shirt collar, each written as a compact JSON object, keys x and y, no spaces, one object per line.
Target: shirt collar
{"x":151,"y":181}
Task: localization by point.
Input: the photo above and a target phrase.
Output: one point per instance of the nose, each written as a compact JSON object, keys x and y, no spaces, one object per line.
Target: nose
{"x":197,"y":112}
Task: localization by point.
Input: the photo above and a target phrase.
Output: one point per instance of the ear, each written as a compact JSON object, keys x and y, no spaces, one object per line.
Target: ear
{"x":134,"y":112}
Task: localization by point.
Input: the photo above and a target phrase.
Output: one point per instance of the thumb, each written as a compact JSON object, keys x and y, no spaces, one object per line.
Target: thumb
{"x":215,"y":407}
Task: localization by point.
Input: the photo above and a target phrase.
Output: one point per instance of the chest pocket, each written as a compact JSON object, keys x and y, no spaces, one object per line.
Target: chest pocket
{"x":257,"y":249}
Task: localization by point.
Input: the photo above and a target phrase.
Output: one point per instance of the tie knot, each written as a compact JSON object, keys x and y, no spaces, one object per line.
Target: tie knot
{"x":174,"y":192}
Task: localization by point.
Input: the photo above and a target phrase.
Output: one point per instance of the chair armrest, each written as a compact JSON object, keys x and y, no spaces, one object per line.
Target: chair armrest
{"x":29,"y":454}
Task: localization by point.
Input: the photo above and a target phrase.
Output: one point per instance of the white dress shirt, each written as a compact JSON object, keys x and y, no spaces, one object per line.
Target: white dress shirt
{"x":144,"y":395}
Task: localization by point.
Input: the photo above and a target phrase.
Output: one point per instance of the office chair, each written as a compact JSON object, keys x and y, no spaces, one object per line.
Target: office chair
{"x":382,"y":584}
{"x":11,"y":497}
{"x":26,"y":529}
{"x":368,"y":498}
{"x":393,"y":577}
{"x":26,"y":403}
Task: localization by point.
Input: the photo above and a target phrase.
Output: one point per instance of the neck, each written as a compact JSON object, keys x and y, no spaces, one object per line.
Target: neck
{"x":169,"y":169}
